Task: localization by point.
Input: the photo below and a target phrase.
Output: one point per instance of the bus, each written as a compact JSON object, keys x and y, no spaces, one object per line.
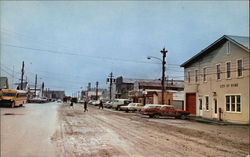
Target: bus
{"x":12,"y":97}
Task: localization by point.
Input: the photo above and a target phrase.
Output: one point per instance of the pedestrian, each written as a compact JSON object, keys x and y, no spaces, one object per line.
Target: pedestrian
{"x":85,"y":106}
{"x":71,"y":104}
{"x":101,"y":105}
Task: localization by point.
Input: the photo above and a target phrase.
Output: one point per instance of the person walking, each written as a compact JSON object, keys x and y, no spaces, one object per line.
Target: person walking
{"x":85,"y":106}
{"x":101,"y":105}
{"x":71,"y":104}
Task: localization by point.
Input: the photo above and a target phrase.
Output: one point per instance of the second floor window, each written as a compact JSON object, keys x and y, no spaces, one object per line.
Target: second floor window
{"x":228,"y":68}
{"x":239,"y":68}
{"x":189,"y":79}
{"x":218,"y":71}
{"x":207,"y":103}
{"x":204,"y":74}
{"x":196,"y":75}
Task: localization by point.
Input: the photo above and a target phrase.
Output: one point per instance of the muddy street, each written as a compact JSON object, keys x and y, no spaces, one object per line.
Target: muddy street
{"x":26,"y":131}
{"x":112,"y":133}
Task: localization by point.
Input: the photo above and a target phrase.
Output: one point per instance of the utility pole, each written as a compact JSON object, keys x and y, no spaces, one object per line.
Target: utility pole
{"x":35,"y":84}
{"x":163,"y":73}
{"x":96,"y":90}
{"x":110,"y":80}
{"x":88,"y":89}
{"x":42,"y":89}
{"x":22,"y":71}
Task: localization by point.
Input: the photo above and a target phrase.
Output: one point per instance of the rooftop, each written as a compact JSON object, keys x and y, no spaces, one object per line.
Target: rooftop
{"x":241,"y":41}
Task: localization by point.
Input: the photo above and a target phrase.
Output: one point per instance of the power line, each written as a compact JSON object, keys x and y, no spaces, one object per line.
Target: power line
{"x":61,"y":45}
{"x":77,"y":54}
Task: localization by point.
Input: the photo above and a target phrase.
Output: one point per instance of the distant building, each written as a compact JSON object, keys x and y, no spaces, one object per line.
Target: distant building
{"x":4,"y":83}
{"x":147,"y":91}
{"x":125,"y":85}
{"x":54,"y":94}
{"x":217,"y":80}
{"x":91,"y":94}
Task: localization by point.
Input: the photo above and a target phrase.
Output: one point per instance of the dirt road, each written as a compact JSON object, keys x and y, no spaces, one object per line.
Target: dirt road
{"x":110,"y":133}
{"x":27,"y":131}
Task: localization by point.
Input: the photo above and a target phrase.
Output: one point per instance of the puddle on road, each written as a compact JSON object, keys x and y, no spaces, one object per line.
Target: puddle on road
{"x":8,"y":114}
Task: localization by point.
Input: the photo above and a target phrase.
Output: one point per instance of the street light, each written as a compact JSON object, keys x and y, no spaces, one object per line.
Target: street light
{"x":163,"y":71}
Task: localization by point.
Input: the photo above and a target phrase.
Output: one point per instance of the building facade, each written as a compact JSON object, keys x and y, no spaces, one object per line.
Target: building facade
{"x":217,"y":81}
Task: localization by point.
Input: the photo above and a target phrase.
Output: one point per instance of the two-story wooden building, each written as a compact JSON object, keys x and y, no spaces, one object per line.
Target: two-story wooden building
{"x":217,"y":80}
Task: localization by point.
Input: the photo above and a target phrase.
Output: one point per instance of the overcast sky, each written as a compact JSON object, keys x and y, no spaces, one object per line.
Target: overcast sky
{"x":68,"y":44}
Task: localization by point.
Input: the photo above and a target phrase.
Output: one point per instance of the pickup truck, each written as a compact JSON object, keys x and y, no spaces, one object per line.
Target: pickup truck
{"x":163,"y":110}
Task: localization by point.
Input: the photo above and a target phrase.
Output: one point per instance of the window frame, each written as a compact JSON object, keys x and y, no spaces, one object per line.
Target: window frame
{"x":196,"y":71}
{"x":237,"y":68}
{"x":230,"y":103}
{"x":228,"y":48}
{"x":218,"y":72}
{"x":229,"y":70}
{"x":206,"y":102}
{"x":204,"y":74}
{"x":189,"y":76}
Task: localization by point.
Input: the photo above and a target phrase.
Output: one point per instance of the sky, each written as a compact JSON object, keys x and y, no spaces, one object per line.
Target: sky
{"x":70,"y":43}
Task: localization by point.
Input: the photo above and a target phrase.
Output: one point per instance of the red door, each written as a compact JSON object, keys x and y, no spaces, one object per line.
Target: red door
{"x":191,"y":102}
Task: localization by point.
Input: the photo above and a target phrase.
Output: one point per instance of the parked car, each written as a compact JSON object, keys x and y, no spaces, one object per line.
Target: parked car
{"x":107,"y":104}
{"x":150,"y":109}
{"x":38,"y":100}
{"x":96,"y":103}
{"x":132,"y":107}
{"x":59,"y":100}
{"x":90,"y":102}
{"x":170,"y":111}
{"x":120,"y":102}
{"x":163,"y":110}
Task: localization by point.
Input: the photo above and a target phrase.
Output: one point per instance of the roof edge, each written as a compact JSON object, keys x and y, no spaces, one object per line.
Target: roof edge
{"x":210,"y":46}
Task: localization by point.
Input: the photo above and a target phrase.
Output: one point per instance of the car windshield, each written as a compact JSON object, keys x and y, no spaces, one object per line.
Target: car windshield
{"x":9,"y":94}
{"x":167,"y":108}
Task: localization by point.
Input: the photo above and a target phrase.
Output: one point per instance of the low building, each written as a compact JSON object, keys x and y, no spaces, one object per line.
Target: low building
{"x":91,"y":94}
{"x":54,"y":94}
{"x":151,"y":96}
{"x":124,"y":85}
{"x":217,"y":80}
{"x":4,"y":83}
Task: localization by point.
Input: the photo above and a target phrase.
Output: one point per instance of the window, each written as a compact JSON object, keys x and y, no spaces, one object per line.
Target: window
{"x":188,"y":77}
{"x":227,"y":103}
{"x":228,"y":47}
{"x":196,"y":75}
{"x":200,"y":106}
{"x":233,"y":103}
{"x":218,"y":71}
{"x":239,"y":68}
{"x":206,"y":101}
{"x":238,"y":109}
{"x":204,"y":74}
{"x":228,"y":67}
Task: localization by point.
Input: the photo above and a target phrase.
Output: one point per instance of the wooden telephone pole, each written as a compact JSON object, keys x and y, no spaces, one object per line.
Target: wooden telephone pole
{"x":110,"y":80}
{"x":22,"y":73}
{"x":163,"y":73}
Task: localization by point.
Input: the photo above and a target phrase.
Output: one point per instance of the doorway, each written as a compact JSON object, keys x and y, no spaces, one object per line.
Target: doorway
{"x":215,"y":112}
{"x":200,"y":107}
